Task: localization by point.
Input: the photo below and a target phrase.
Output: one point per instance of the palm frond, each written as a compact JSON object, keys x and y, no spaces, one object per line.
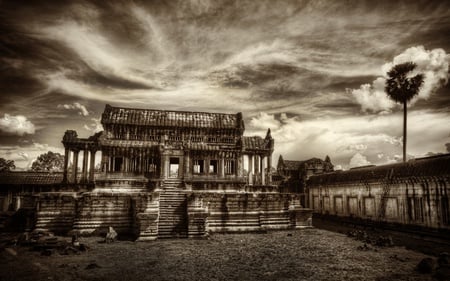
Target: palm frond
{"x":401,"y":88}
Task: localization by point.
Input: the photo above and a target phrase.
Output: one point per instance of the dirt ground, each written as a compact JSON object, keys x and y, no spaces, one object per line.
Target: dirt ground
{"x":309,"y":254}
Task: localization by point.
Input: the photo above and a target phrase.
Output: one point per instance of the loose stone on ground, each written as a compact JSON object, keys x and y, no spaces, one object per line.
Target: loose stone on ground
{"x":310,"y":254}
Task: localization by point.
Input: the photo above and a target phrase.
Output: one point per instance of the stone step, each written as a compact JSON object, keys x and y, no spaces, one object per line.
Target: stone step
{"x":172,"y":213}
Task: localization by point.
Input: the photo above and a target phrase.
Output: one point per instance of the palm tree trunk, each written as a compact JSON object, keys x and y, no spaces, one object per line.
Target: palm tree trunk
{"x":404,"y":131}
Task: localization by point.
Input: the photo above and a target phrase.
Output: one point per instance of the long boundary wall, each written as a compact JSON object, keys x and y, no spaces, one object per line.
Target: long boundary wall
{"x":414,"y":193}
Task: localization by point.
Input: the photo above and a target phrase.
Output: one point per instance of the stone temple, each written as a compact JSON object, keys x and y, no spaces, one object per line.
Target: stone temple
{"x":161,"y":174}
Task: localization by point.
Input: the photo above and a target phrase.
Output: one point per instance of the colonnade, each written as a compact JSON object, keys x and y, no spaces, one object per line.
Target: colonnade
{"x":256,"y":167}
{"x":87,"y":172}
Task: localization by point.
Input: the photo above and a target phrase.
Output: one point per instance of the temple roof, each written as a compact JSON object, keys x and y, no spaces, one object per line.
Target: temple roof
{"x":32,"y":178}
{"x":254,"y":143}
{"x":296,"y":165}
{"x":292,"y":165}
{"x":413,"y":169}
{"x":166,"y":118}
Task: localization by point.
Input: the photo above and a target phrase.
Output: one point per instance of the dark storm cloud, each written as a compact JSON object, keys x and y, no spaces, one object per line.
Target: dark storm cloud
{"x":274,"y":57}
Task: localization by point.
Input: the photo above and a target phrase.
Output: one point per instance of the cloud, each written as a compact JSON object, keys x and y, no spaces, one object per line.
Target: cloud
{"x":24,"y":156}
{"x":358,"y":160}
{"x":16,"y":125}
{"x":360,"y":147}
{"x":433,"y":64}
{"x":378,"y":137}
{"x":265,"y":121}
{"x":95,"y":126}
{"x":447,"y":146}
{"x":77,"y":106}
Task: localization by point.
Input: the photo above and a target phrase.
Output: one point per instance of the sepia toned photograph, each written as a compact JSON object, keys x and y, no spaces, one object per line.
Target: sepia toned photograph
{"x":224,"y":140}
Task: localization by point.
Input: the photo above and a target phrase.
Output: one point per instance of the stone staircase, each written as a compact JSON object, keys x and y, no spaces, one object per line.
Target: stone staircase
{"x":173,"y":220}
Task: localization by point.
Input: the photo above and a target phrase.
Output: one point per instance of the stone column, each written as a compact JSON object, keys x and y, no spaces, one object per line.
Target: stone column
{"x":75,"y":165}
{"x":207,"y":159}
{"x":263,"y":172}
{"x":66,"y":164}
{"x":238,"y":165}
{"x":104,"y":162}
{"x":250,"y":164}
{"x":187,"y":165}
{"x":269,"y":171}
{"x":250,"y":169}
{"x":257,"y":164}
{"x":141,"y":163}
{"x":84,"y":168}
{"x":163,"y":166}
{"x":113,"y":164}
{"x":222,"y":168}
{"x":92,"y":166}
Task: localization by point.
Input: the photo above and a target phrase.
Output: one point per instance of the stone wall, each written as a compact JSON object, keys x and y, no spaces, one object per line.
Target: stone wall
{"x":242,"y":212}
{"x":420,"y":201}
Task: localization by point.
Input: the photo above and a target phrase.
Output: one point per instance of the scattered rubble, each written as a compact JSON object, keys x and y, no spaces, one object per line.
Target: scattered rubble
{"x":440,"y":267}
{"x":426,"y":265}
{"x":111,"y":236}
{"x":402,"y":259}
{"x":44,"y":242}
{"x":379,"y":241}
{"x":92,"y":266}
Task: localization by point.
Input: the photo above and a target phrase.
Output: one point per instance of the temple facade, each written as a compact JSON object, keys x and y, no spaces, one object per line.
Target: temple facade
{"x":160,"y":146}
{"x":159,"y":174}
{"x":291,"y":175}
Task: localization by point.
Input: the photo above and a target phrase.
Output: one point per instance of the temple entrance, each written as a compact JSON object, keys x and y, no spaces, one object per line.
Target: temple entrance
{"x":174,"y":167}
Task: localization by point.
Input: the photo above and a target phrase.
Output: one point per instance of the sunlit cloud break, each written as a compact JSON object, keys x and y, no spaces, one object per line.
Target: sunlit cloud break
{"x":77,"y":106}
{"x":16,"y":125}
{"x":433,"y":64}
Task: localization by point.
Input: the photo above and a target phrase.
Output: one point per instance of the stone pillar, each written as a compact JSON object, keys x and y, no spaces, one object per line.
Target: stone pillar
{"x":104,"y":162}
{"x":257,"y":164}
{"x":66,"y":164}
{"x":75,"y":165}
{"x":250,"y":164}
{"x":84,"y":168}
{"x":269,"y":170}
{"x":222,"y":168}
{"x":263,"y":172}
{"x":187,"y":165}
{"x":141,"y":162}
{"x":250,"y":169}
{"x":113,"y":164}
{"x":206,"y":163}
{"x":92,"y":166}
{"x":163,"y":166}
{"x":238,"y":165}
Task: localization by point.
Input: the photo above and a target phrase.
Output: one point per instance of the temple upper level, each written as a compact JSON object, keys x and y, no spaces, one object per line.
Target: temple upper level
{"x":160,"y":144}
{"x":152,"y":125}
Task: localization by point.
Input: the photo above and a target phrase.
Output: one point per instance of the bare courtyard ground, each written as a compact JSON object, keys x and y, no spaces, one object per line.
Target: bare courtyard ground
{"x":310,"y":254}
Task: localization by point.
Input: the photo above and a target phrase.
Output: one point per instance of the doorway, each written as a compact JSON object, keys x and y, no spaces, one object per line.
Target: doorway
{"x":174,"y":164}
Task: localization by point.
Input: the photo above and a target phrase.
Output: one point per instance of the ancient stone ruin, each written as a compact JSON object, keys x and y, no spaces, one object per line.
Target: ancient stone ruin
{"x":162,"y":174}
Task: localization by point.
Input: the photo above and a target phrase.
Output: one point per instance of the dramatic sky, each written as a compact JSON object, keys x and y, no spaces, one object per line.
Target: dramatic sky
{"x":311,"y":71}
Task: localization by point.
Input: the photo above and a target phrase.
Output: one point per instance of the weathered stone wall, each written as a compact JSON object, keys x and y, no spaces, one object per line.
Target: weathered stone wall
{"x":238,"y":212}
{"x":98,"y":211}
{"x":421,"y":201}
{"x":56,"y":211}
{"x":129,"y":209}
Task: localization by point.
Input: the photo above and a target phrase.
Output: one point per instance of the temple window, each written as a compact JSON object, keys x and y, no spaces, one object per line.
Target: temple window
{"x":198,"y":166}
{"x":213,"y":166}
{"x":229,"y":167}
{"x":118,"y":161}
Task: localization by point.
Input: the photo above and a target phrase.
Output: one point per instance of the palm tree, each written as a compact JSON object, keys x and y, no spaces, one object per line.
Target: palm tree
{"x":402,"y":87}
